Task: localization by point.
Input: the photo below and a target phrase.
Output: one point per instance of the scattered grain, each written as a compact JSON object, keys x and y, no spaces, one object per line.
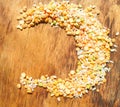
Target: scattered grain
{"x":93,"y":47}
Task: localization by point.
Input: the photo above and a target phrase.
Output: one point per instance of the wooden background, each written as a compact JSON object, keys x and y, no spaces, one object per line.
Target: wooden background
{"x":45,"y":50}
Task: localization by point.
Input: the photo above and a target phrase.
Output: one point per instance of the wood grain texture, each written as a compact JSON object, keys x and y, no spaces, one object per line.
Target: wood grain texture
{"x":45,"y":50}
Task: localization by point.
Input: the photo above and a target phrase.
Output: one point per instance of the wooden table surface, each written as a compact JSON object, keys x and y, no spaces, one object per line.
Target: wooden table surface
{"x":46,"y":50}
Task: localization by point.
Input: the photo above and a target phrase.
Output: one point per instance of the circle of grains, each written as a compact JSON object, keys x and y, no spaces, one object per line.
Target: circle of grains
{"x":93,"y":47}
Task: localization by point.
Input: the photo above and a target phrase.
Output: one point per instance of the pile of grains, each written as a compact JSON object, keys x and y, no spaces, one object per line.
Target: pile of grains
{"x":93,"y":47}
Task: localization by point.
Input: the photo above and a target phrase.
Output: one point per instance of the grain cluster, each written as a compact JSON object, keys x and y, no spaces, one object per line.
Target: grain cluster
{"x":93,"y":47}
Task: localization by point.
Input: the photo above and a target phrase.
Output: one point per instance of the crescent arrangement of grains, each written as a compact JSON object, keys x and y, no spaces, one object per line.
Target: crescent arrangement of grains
{"x":93,"y":47}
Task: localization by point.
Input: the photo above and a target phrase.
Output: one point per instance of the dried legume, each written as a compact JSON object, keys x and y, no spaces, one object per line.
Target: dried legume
{"x":93,"y":47}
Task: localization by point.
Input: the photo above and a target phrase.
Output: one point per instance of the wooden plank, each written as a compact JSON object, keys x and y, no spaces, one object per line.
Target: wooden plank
{"x":44,"y":50}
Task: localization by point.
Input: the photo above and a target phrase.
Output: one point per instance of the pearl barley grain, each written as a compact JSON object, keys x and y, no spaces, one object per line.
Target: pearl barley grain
{"x":58,"y":99}
{"x":23,"y":75}
{"x":19,"y":86}
{"x":72,"y":72}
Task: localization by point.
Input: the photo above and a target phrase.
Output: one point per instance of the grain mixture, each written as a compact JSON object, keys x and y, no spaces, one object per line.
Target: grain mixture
{"x":93,"y":47}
